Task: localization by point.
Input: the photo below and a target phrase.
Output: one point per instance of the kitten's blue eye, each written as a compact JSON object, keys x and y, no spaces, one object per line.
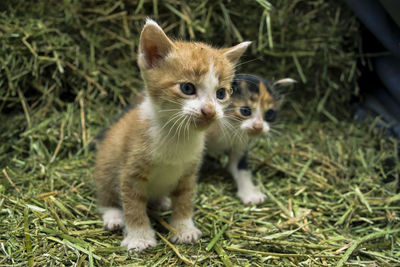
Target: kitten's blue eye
{"x":187,"y":88}
{"x":221,"y":93}
{"x":270,"y":115}
{"x":245,"y":111}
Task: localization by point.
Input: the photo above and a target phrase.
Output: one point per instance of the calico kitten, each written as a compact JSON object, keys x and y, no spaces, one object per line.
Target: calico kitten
{"x":154,"y":150}
{"x":255,"y":103}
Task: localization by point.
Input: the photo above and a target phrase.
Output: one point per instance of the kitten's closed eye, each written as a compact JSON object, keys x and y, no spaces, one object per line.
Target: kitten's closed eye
{"x":270,"y":115}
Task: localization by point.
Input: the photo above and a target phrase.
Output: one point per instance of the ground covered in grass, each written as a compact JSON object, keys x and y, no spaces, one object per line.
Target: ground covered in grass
{"x":327,"y":203}
{"x":66,"y":71}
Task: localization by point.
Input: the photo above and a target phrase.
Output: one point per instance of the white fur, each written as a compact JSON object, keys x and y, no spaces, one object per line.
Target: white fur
{"x":187,"y":232}
{"x":210,"y":84}
{"x":256,"y":117}
{"x":235,"y":52}
{"x":174,"y":152}
{"x":193,"y":106}
{"x":113,"y":218}
{"x":247,"y":125}
{"x":285,"y":81}
{"x":139,"y":238}
{"x":210,"y":81}
{"x":265,"y":127}
{"x":206,"y":93}
{"x":163,"y":179}
{"x":247,"y":191}
{"x":244,"y":45}
{"x":149,"y":21}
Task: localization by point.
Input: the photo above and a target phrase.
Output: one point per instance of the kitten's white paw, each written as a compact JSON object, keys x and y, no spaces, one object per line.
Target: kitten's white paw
{"x":139,"y":239}
{"x":187,"y":232}
{"x":113,"y":219}
{"x":252,"y":196}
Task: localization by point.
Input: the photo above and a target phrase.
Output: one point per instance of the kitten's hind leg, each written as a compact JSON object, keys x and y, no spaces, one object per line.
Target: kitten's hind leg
{"x":108,"y":198}
{"x":238,"y":167}
{"x":182,"y":204}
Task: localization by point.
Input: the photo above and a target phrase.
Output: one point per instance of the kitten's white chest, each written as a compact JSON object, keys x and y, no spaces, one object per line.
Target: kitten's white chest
{"x":173,"y":152}
{"x":171,"y":162}
{"x":163,"y":179}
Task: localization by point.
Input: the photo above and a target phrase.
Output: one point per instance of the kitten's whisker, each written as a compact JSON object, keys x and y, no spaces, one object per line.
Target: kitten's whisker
{"x":189,"y":121}
{"x":278,"y":124}
{"x":229,"y":109}
{"x":180,"y":127}
{"x":274,"y":131}
{"x":194,"y":121}
{"x":184,"y":128}
{"x":173,"y":125}
{"x":237,"y":134}
{"x":172,"y":101}
{"x":240,"y":135}
{"x":167,"y":138}
{"x":255,"y":82}
{"x":245,"y":62}
{"x":175,"y":116}
{"x":222,"y":127}
{"x":232,"y":118}
{"x":225,"y":131}
{"x":168,"y":110}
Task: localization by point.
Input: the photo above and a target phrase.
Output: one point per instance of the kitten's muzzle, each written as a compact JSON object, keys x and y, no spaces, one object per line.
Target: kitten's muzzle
{"x":256,"y":128}
{"x":208,"y":112}
{"x":208,"y":115}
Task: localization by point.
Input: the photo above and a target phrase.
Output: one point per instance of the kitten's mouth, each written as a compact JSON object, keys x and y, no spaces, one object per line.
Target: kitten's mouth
{"x":254,"y":132}
{"x":203,"y":122}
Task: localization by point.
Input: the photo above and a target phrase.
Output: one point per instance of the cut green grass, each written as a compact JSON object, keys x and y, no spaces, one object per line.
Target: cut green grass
{"x":68,"y":70}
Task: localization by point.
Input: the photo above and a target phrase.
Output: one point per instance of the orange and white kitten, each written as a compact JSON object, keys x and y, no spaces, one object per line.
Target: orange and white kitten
{"x":254,"y":106}
{"x":154,"y":150}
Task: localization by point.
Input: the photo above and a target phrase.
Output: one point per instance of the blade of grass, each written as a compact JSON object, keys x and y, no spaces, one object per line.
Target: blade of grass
{"x":222,"y":255}
{"x":174,"y":249}
{"x":216,"y":238}
{"x":28,"y":243}
{"x":299,"y":68}
{"x":361,"y":240}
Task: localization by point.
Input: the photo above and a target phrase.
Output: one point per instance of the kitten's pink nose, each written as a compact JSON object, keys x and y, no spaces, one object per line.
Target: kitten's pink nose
{"x":208,"y":111}
{"x":257,"y":126}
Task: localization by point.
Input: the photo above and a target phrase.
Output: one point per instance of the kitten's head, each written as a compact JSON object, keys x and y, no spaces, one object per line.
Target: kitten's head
{"x":255,"y":102}
{"x":186,"y":79}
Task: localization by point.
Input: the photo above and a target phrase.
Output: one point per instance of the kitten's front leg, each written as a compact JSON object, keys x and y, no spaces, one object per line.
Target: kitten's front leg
{"x":182,"y":204}
{"x":239,"y":169}
{"x":139,"y":234}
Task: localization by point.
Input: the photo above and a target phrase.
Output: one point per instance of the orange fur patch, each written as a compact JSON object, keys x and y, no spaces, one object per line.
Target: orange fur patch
{"x":266,"y":99}
{"x":189,"y":62}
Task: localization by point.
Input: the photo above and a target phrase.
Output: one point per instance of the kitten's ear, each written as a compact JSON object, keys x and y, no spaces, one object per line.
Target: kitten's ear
{"x":280,"y":87}
{"x":283,"y":83}
{"x":154,"y":45}
{"x":235,"y":52}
